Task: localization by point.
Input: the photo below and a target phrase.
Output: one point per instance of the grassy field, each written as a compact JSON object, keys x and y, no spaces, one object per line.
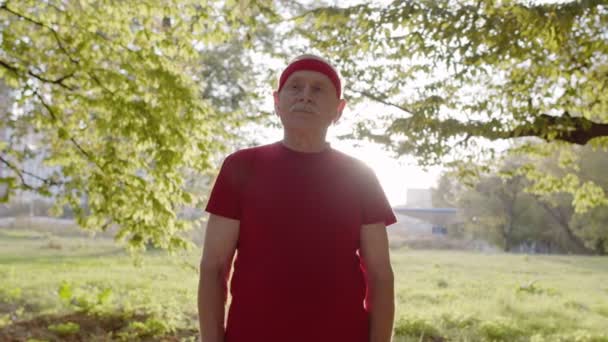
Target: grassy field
{"x":77,"y":288}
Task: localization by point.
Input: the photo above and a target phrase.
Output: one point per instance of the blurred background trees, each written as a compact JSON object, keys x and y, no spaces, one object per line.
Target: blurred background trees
{"x":129,"y":107}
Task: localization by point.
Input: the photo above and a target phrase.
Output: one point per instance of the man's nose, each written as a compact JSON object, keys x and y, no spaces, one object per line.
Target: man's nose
{"x":306,"y":94}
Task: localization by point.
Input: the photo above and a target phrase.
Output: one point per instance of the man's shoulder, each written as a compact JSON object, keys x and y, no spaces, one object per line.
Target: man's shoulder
{"x":241,"y":163}
{"x":351,"y":162}
{"x":249,"y":152}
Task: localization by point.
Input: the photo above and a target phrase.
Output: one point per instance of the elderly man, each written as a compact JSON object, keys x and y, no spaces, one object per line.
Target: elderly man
{"x":306,"y":226}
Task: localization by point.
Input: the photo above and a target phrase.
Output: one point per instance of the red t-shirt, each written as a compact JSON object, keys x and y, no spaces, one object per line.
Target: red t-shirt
{"x":297,"y":274}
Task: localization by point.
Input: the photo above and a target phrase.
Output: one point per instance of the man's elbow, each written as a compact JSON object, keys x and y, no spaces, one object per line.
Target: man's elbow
{"x":381,"y":277}
{"x":214,"y":269}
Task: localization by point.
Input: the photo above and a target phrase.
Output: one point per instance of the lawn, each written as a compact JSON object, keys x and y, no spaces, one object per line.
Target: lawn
{"x":81,"y":288}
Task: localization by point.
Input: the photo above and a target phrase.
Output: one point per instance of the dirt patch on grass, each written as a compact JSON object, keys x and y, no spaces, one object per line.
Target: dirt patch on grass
{"x":83,"y":327}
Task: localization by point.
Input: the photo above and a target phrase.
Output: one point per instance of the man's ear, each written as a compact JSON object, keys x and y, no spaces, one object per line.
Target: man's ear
{"x":275,"y":96}
{"x":341,"y":107}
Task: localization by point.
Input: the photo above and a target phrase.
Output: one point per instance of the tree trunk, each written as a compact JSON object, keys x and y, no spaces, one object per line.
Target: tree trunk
{"x":599,"y":246}
{"x":562,"y":222}
{"x":506,"y":235}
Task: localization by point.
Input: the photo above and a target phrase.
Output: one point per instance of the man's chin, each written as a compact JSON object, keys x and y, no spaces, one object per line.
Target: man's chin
{"x":303,"y":112}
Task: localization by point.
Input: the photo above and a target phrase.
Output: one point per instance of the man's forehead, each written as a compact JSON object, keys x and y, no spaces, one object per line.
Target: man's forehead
{"x":308,"y":75}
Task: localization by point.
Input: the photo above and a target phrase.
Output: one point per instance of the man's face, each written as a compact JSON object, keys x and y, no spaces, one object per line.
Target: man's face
{"x":308,"y":101}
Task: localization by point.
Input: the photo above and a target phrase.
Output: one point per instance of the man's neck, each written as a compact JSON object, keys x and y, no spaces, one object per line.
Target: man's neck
{"x":305,"y":143}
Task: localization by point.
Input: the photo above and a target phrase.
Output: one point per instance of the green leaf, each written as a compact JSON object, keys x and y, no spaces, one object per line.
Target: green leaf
{"x":65,"y":291}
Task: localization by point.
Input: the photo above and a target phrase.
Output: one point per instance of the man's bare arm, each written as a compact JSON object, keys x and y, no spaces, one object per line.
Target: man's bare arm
{"x":380,"y":300}
{"x":221,"y":238}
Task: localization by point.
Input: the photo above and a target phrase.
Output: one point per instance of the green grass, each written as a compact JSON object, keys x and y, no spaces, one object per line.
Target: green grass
{"x":53,"y":282}
{"x":94,"y":277}
{"x":474,"y":297}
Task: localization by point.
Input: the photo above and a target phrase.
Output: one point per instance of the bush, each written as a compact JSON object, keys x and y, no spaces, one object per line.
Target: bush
{"x":577,"y":336}
{"x":85,"y":299}
{"x":418,"y":328}
{"x":534,"y":289}
{"x":500,"y":331}
{"x":602,"y":311}
{"x":64,"y":329}
{"x":149,"y":329}
{"x":460,"y":322}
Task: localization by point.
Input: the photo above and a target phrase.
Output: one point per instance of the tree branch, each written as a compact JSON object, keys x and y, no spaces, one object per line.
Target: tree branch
{"x":21,"y":172}
{"x":380,"y":100}
{"x":58,"y":81}
{"x":9,"y":67}
{"x":72,"y":139}
{"x":575,"y":130}
{"x":572,"y":129}
{"x":564,"y":224}
{"x":38,"y":23}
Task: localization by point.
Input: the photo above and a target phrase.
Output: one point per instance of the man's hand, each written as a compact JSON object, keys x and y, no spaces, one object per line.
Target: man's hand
{"x":221,"y":238}
{"x":380,"y":300}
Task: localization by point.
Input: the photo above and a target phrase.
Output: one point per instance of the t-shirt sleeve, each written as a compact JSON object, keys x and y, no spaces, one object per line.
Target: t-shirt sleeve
{"x":225,"y":198}
{"x":375,"y":204}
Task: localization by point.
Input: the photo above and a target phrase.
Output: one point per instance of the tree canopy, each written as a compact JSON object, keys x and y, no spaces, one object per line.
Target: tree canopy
{"x":502,"y":209}
{"x":456,"y":75}
{"x":462,"y":69}
{"x":121,"y":105}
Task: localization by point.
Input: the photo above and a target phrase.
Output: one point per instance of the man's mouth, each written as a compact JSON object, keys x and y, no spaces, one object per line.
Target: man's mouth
{"x":303,"y":108}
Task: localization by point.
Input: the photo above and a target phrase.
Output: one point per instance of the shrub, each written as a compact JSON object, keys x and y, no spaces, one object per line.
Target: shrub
{"x":89,"y":299}
{"x":54,"y":244}
{"x":416,"y":327}
{"x":602,"y":311}
{"x":576,"y":306}
{"x":64,"y":329}
{"x":500,"y":331}
{"x":150,"y":328}
{"x":459,"y":321}
{"x":532,"y":288}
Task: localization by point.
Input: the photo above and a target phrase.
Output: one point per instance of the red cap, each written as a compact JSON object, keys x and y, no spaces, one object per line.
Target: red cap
{"x":312,"y":65}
